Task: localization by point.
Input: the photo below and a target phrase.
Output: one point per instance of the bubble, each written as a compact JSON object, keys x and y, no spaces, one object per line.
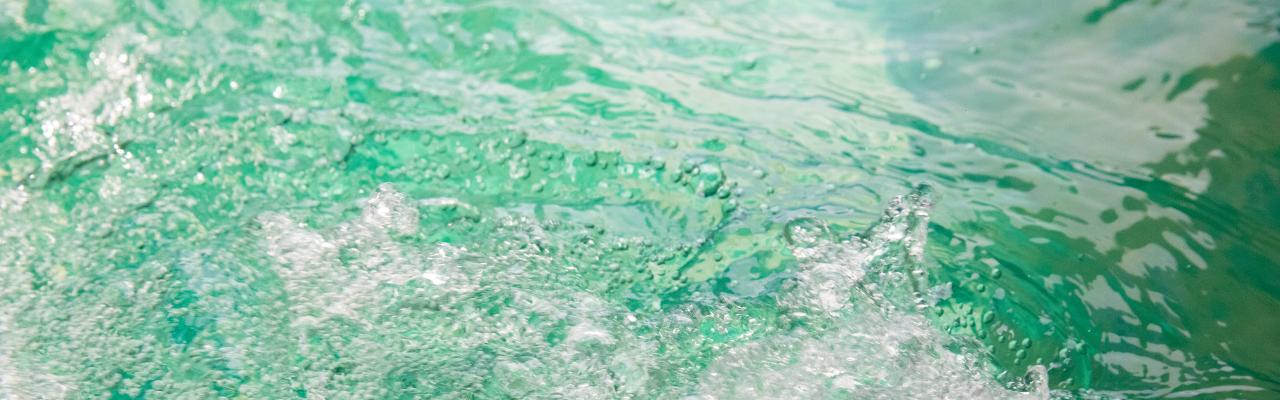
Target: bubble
{"x":687,"y":166}
{"x":657,"y":163}
{"x":708,"y":179}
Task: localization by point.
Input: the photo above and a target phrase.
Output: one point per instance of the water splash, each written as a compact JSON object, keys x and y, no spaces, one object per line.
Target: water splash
{"x":368,"y":308}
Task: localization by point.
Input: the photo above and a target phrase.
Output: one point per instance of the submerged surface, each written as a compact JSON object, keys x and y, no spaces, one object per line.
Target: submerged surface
{"x":671,"y":199}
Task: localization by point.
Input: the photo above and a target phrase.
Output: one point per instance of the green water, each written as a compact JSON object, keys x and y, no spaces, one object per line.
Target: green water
{"x":672,"y":199}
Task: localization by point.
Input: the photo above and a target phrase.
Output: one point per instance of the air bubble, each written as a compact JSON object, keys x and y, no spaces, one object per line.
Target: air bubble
{"x":515,"y":139}
{"x":657,"y":163}
{"x":520,"y":173}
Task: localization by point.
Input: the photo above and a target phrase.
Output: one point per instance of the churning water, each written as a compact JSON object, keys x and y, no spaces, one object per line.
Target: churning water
{"x":671,"y":199}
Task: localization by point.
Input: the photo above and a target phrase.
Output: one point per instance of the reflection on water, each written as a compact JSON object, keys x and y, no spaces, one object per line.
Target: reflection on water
{"x":1146,"y":167}
{"x":390,"y":199}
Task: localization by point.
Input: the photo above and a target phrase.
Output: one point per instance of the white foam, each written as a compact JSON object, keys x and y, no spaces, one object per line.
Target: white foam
{"x":71,"y":124}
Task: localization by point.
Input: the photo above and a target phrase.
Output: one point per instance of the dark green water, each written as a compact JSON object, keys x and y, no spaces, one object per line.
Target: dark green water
{"x":672,"y":199}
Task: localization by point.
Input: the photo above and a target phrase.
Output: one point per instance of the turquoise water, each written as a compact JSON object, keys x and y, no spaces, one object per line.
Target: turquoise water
{"x":672,"y":199}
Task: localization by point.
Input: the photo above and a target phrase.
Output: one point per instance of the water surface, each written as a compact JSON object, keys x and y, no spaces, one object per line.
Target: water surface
{"x":671,"y":199}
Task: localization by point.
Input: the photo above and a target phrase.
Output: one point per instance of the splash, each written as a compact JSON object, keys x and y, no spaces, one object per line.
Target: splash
{"x":372,"y":308}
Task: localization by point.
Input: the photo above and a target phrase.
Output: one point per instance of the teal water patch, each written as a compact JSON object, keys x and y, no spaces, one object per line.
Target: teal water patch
{"x":675,"y":199}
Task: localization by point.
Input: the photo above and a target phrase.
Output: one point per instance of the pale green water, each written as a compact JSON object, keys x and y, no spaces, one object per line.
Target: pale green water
{"x":672,"y":199}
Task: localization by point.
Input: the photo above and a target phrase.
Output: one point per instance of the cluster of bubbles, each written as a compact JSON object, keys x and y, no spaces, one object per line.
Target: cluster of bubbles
{"x":378,"y":306}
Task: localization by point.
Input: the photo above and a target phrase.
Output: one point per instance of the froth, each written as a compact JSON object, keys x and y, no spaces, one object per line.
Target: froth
{"x":525,"y":323}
